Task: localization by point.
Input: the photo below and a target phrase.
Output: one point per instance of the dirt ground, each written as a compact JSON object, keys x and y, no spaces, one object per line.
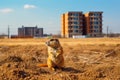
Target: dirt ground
{"x":85,"y":59}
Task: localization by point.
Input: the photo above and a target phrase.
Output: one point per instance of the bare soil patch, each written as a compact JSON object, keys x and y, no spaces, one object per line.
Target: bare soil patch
{"x":85,"y":59}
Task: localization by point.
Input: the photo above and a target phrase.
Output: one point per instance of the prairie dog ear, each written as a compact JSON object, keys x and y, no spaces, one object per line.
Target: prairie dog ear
{"x":57,"y":41}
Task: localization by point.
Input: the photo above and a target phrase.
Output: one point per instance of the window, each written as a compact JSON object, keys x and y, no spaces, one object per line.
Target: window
{"x":96,"y":30}
{"x":76,"y":14}
{"x":95,"y":22}
{"x":95,"y":14}
{"x":70,"y":31}
{"x":95,"y":18}
{"x":75,"y":26}
{"x":95,"y":27}
{"x":91,"y":22}
{"x":70,"y":14}
{"x":70,"y":26}
{"x":70,"y":18}
{"x":91,"y":14}
{"x":91,"y":26}
{"x":69,"y":22}
{"x":76,"y":31}
{"x":91,"y":18}
{"x":37,"y":31}
{"x":75,"y":22}
{"x":75,"y":18}
{"x":91,"y":30}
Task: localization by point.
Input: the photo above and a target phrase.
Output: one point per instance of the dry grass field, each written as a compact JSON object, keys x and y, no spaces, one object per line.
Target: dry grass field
{"x":85,"y":59}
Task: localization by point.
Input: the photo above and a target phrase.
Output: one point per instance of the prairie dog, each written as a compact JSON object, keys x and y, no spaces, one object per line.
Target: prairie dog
{"x":55,"y":55}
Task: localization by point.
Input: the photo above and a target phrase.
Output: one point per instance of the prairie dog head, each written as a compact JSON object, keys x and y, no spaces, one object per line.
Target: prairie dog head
{"x":54,"y":43}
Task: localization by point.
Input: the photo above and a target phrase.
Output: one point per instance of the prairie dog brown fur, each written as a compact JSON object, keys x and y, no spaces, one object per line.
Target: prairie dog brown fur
{"x":55,"y":55}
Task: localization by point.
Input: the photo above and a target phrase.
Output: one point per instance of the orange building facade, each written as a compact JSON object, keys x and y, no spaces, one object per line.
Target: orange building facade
{"x":78,"y":24}
{"x":72,"y":24}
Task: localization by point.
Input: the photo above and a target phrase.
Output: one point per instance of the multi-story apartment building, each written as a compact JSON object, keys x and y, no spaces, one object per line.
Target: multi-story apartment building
{"x":72,"y":24}
{"x":93,"y":24}
{"x":77,"y":23}
{"x":30,"y":32}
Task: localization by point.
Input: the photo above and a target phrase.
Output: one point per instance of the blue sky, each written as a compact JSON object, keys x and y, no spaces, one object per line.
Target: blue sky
{"x":47,"y":13}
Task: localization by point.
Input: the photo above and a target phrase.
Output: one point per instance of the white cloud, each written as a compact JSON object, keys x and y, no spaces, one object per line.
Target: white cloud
{"x":6,"y":10}
{"x":27,"y":6}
